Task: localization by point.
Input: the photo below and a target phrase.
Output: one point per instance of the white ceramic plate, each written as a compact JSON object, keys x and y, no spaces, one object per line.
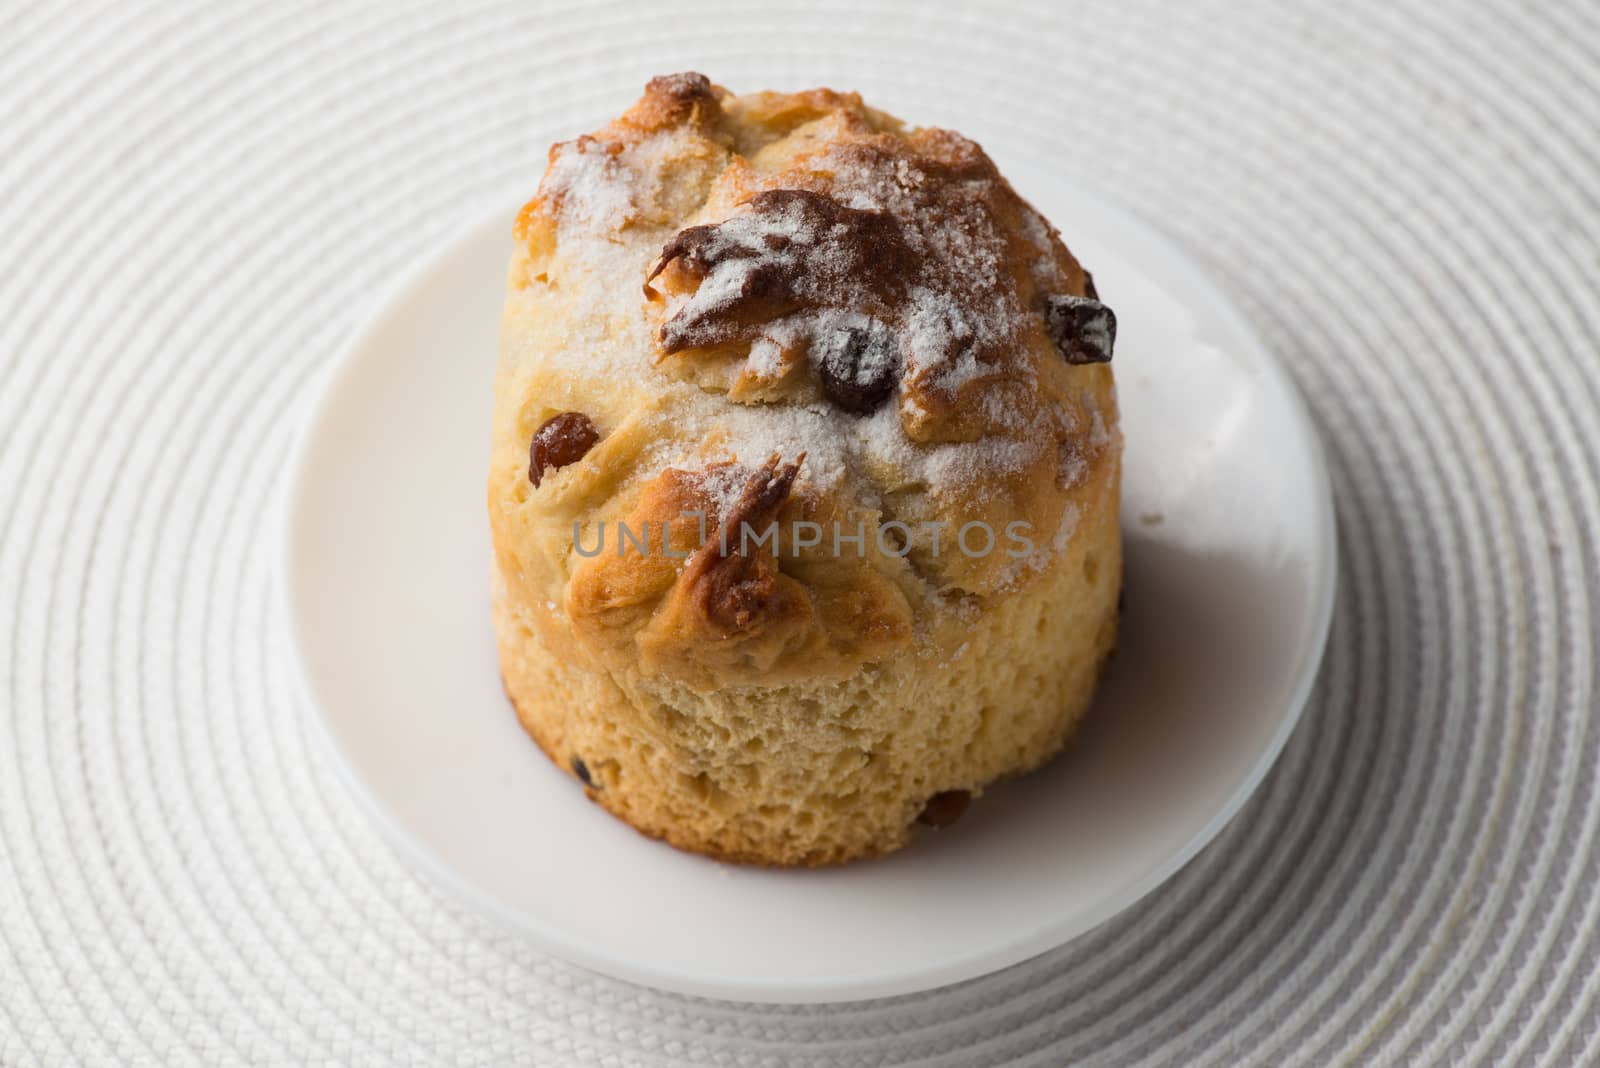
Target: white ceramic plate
{"x":1229,"y":589}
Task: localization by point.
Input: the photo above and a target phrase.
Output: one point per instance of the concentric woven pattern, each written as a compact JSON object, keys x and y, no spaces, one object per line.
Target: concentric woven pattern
{"x":201,"y":204}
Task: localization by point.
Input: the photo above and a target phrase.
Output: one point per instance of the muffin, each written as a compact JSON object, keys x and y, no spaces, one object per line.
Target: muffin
{"x":805,"y":474}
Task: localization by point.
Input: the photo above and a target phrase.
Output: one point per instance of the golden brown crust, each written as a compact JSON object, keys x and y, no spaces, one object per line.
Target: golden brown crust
{"x":783,"y":309}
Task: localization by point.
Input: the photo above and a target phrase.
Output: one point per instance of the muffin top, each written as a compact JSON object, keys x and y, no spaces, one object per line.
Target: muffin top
{"x":729,"y":311}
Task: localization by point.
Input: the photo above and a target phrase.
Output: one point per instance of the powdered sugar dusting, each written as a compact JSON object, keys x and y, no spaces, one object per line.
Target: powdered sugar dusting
{"x":837,"y":445}
{"x":899,"y":276}
{"x":1067,"y":527}
{"x":788,"y":242}
{"x":595,"y":187}
{"x":1099,"y":436}
{"x":766,"y":357}
{"x":1046,"y":272}
{"x":962,"y":314}
{"x":723,"y":485}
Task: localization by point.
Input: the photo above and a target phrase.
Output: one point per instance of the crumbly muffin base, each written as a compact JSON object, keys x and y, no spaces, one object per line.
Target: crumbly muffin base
{"x":823,"y":772}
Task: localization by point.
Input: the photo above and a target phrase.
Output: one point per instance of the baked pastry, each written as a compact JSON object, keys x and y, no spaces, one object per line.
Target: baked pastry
{"x":805,"y":474}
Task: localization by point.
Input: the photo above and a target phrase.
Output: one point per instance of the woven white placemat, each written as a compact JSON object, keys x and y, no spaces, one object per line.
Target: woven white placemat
{"x":199,"y":204}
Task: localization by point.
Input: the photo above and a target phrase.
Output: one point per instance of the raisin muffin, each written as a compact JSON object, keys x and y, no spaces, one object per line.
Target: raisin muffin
{"x":805,"y":474}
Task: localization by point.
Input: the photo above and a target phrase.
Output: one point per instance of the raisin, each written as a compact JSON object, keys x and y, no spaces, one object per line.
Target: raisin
{"x":562,"y":439}
{"x":944,"y":808}
{"x":581,"y":770}
{"x":858,"y":365}
{"x":1082,"y":328}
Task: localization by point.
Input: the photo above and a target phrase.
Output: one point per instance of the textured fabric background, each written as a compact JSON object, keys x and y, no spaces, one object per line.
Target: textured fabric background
{"x":199,"y":204}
